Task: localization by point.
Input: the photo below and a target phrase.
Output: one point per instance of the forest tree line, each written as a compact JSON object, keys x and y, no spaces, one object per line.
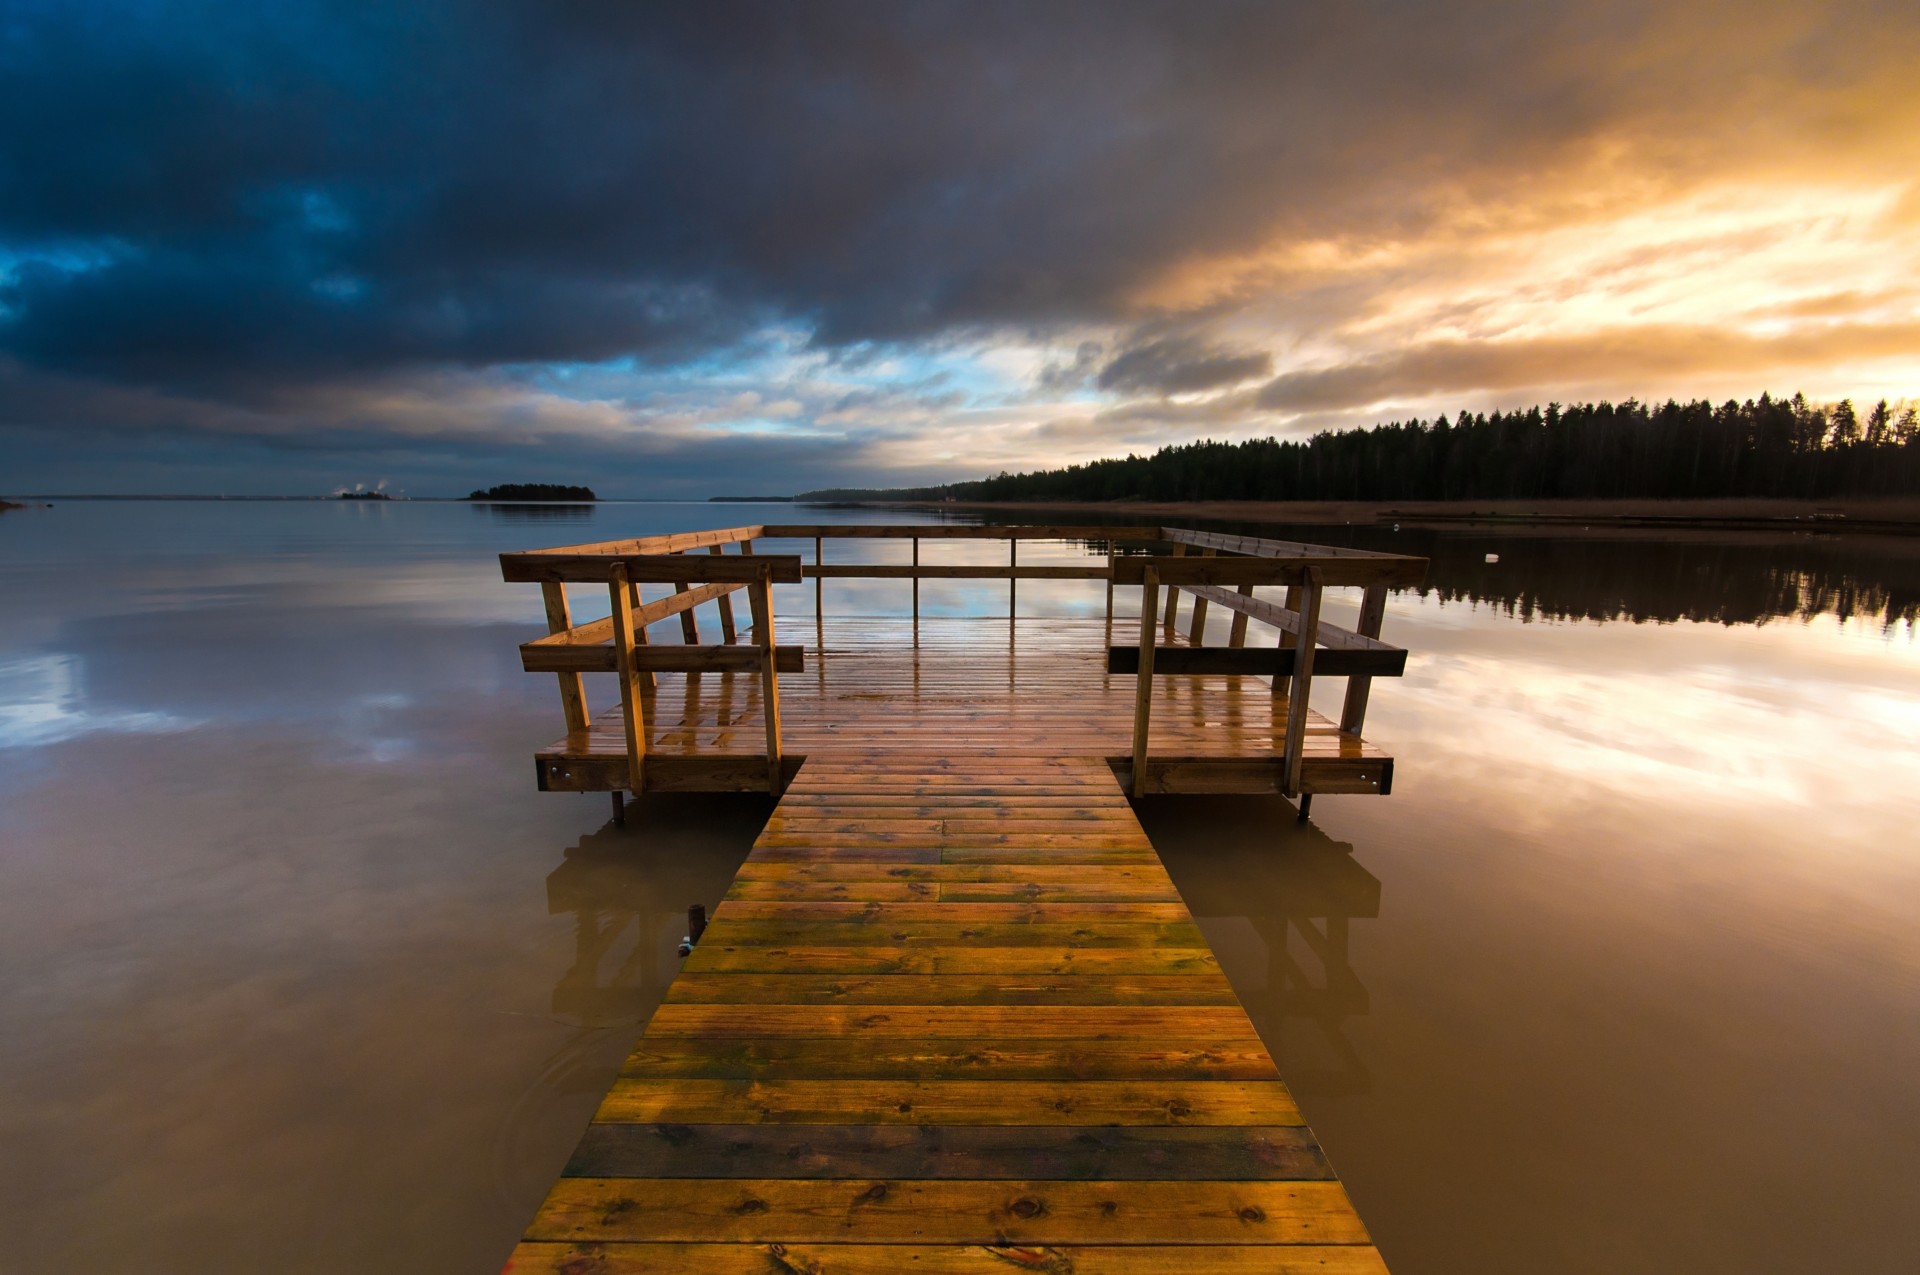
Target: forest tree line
{"x":1630,"y":450}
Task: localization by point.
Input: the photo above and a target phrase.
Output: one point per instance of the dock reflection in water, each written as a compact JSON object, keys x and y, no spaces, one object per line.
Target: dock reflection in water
{"x":628,"y":890}
{"x":1277,"y":900}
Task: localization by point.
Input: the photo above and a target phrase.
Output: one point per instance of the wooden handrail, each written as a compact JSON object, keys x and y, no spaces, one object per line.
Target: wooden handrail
{"x":649,"y":568}
{"x":1298,"y":691}
{"x":632,"y":695}
{"x":670,"y":658}
{"x":1332,"y":636}
{"x":950,"y":531}
{"x":1244,"y":570}
{"x":673,"y":542}
{"x":942,"y":571}
{"x":1257,"y":661}
{"x":1396,"y":569}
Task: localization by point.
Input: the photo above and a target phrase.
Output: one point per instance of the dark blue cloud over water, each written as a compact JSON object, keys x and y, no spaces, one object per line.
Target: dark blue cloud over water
{"x":287,"y":228}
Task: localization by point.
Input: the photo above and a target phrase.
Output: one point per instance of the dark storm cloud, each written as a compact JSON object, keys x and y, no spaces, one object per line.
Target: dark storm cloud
{"x":1181,"y":365}
{"x":261,"y":212}
{"x":370,"y":185}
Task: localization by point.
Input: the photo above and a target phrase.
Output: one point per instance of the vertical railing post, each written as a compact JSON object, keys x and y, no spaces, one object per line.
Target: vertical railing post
{"x":1287,"y":638}
{"x":573,"y":699}
{"x":1143,"y":690}
{"x":1237,"y":635}
{"x":689,"y":624}
{"x":1110,"y":558}
{"x":1173,"y":591}
{"x":1373,"y":610}
{"x":1013,"y":585}
{"x":1300,"y":685}
{"x":727,"y":632}
{"x":631,"y":698}
{"x":760,"y":595}
{"x":1197,"y":634}
{"x":819,"y":597}
{"x":916,"y":586}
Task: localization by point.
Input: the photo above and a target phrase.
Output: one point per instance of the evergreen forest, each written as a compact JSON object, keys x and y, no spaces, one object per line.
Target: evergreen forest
{"x":1631,"y":450}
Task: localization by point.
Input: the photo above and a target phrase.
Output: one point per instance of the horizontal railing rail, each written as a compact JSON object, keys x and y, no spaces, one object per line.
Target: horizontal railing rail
{"x":648,"y":568}
{"x":1258,"y":661}
{"x":1214,"y":568}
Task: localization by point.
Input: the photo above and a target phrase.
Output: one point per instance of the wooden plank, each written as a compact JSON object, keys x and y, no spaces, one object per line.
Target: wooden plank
{"x":1143,"y":690}
{"x":689,"y":622}
{"x":942,"y":1058}
{"x":1373,"y":610}
{"x":941,"y":1022}
{"x":1197,"y":633}
{"x":727,"y":633}
{"x":1173,"y":597}
{"x":1238,"y":571}
{"x":1287,"y":619}
{"x":1399,"y":571}
{"x":1205,"y":988}
{"x":1302,"y":682}
{"x":573,"y":700}
{"x":950,"y":1102}
{"x":632,"y":703}
{"x":644,"y":568}
{"x":1236,"y":1153}
{"x":948,"y":571}
{"x":760,"y":597}
{"x":1026,"y":1212}
{"x":1262,"y":661}
{"x":719,"y":659}
{"x":794,"y":1258}
{"x":672,"y":542}
{"x":537,"y":657}
{"x":954,"y":531}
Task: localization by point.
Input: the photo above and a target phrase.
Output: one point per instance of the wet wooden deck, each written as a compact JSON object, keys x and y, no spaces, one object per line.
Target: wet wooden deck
{"x":951,"y":1017}
{"x":1033,"y":687}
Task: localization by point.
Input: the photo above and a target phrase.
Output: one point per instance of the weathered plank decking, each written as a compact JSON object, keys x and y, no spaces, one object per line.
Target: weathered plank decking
{"x":1034,"y":687}
{"x":951,"y":1017}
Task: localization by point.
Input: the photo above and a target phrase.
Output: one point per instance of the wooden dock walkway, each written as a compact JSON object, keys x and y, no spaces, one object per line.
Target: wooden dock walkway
{"x":951,"y":1017}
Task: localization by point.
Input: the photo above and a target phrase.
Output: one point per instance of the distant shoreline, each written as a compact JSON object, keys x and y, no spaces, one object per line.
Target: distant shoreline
{"x":1897,"y":516}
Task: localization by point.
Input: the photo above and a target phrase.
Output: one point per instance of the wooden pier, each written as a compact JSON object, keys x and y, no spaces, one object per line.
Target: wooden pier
{"x":952,"y":1015}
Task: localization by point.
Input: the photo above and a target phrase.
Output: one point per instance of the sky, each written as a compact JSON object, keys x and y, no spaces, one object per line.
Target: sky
{"x":679,"y":250}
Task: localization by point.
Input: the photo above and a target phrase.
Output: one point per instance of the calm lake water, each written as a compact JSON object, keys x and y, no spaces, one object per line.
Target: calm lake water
{"x":301,"y":974}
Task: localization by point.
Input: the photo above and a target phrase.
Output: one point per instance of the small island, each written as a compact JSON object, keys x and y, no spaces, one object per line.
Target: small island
{"x":362,"y":495}
{"x":534,"y":491}
{"x":8,"y":504}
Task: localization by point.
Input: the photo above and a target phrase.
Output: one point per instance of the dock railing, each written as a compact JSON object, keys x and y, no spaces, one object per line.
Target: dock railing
{"x":1217,"y":569}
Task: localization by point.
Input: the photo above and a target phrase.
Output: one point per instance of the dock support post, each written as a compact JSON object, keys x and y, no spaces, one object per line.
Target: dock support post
{"x":630,"y":693}
{"x":1287,"y":639}
{"x":1013,"y":585}
{"x":1110,"y":556}
{"x":573,"y":700}
{"x":1237,"y":634}
{"x":760,"y":594}
{"x":1301,"y":686}
{"x":1197,"y":632}
{"x":1306,"y":807}
{"x":1143,"y":690}
{"x":689,"y":623}
{"x":1173,"y":591}
{"x":727,"y":632}
{"x":1373,"y":610}
{"x":619,"y":809}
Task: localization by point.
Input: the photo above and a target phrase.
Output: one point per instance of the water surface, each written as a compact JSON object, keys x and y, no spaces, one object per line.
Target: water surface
{"x":303,"y":975}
